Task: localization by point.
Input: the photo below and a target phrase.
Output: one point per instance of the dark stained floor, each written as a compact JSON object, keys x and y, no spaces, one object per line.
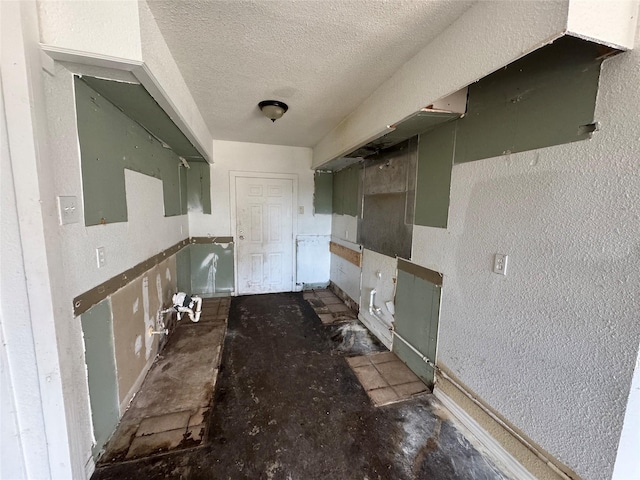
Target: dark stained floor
{"x":288,"y":406}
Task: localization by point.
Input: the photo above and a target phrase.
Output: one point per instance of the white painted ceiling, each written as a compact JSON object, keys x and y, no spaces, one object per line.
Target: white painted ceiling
{"x":322,"y":57}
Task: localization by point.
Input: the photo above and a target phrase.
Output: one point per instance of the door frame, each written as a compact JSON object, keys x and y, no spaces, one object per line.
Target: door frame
{"x":233,"y":174}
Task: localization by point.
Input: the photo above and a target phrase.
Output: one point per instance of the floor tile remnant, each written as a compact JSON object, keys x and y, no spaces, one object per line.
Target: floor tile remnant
{"x":329,"y":307}
{"x":385,"y":378}
{"x":155,"y":443}
{"x":176,"y":392}
{"x":313,"y":420}
{"x":163,"y":423}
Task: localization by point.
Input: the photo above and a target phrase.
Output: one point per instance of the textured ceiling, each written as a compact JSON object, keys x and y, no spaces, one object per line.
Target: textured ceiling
{"x":322,"y":57}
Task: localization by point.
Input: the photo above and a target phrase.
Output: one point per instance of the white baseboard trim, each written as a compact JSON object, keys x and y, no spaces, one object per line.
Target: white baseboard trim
{"x":506,"y":460}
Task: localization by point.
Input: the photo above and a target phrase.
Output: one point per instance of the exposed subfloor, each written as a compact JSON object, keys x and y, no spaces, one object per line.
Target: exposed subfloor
{"x":287,"y":405}
{"x":169,"y":411}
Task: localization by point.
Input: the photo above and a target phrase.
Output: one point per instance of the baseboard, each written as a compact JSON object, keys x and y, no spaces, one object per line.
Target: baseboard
{"x":495,"y":449}
{"x":504,"y":440}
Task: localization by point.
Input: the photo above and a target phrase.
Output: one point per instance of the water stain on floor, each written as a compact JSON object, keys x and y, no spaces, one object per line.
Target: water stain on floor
{"x":287,"y":405}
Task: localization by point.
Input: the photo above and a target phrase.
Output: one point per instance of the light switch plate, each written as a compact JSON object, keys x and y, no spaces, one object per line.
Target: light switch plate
{"x":100,"y":258}
{"x":500,"y":263}
{"x":68,"y":210}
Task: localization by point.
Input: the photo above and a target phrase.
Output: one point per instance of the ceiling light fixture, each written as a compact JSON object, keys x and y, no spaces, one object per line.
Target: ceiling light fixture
{"x":273,"y":109}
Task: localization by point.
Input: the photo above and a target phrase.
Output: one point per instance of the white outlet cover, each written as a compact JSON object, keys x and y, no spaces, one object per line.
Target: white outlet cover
{"x":500,"y":261}
{"x":100,"y":258}
{"x":68,"y":210}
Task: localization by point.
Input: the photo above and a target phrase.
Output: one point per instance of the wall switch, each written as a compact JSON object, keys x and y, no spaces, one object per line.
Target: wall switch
{"x":100,"y":257}
{"x":500,"y":263}
{"x":68,"y":210}
{"x":301,"y":210}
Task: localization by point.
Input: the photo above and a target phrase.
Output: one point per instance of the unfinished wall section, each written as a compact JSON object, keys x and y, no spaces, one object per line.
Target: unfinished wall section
{"x":552,"y":346}
{"x":146,"y":233}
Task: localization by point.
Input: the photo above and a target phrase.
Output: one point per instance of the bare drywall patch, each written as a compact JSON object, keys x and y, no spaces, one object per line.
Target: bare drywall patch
{"x":111,"y":142}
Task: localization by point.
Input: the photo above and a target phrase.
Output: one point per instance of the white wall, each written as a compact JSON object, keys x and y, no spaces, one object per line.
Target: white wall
{"x":627,"y":461}
{"x":104,"y":27}
{"x":23,"y":444}
{"x":552,"y":346}
{"x":254,"y":157}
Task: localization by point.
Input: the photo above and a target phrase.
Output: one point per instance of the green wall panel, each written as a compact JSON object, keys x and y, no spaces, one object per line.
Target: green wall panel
{"x":199,"y":187}
{"x":111,"y":142}
{"x":416,"y":320}
{"x":97,"y":329}
{"x":543,"y":99}
{"x":435,"y":161}
{"x":183,"y":269}
{"x":212,"y":271}
{"x":322,"y":192}
{"x":139,"y":105}
{"x":346,"y":190}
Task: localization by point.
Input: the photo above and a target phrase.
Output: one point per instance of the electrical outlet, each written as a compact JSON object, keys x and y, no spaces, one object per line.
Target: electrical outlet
{"x":100,"y":257}
{"x":500,"y":263}
{"x":68,"y":210}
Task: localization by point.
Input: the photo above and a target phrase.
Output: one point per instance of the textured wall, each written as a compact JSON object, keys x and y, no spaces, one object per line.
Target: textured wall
{"x":553,"y":344}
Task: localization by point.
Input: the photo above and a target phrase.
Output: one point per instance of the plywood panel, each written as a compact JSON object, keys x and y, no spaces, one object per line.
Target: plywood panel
{"x":350,"y":255}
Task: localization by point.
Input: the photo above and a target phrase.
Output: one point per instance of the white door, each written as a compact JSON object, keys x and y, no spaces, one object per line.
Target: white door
{"x":264,"y":231}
